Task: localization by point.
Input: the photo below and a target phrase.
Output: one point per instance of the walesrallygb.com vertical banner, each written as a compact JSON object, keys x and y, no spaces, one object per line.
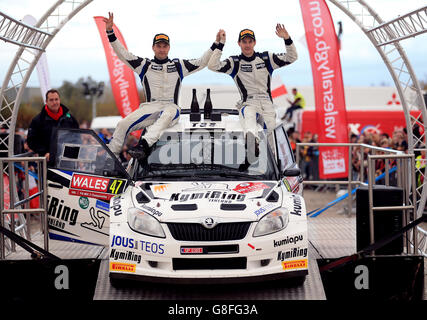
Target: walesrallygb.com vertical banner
{"x":122,"y":78}
{"x":331,"y":114}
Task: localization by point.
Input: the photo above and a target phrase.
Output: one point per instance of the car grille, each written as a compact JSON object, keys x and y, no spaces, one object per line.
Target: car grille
{"x":197,"y":232}
{"x":209,"y":264}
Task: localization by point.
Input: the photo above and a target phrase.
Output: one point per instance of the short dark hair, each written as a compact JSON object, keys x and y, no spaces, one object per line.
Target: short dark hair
{"x":52,"y":91}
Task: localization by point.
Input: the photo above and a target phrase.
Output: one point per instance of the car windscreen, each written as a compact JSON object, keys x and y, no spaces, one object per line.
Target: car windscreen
{"x":208,"y":155}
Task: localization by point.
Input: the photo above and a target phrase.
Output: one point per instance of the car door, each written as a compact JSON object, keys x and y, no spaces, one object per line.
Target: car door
{"x":83,"y":175}
{"x":286,"y":160}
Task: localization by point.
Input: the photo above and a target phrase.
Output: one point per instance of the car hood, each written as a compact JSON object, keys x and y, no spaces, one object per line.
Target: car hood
{"x":227,"y":201}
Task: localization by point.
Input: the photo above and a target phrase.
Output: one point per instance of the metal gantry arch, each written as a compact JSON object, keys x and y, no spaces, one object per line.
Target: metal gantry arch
{"x":32,"y":41}
{"x":385,"y":36}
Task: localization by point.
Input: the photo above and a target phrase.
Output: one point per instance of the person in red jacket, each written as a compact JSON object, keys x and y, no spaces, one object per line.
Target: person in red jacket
{"x":52,"y":116}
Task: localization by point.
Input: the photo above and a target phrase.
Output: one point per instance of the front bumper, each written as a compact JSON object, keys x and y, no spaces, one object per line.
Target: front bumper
{"x":280,"y":255}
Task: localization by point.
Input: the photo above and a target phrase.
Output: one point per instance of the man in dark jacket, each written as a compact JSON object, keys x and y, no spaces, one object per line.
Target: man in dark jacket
{"x":53,"y":115}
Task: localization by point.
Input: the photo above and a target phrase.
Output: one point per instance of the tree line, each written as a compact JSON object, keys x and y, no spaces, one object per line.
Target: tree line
{"x":72,"y":97}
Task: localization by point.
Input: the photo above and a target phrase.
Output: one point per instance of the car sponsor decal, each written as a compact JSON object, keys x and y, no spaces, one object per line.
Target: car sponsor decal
{"x":152,"y":211}
{"x":251,"y":246}
{"x":264,"y":209}
{"x":159,"y":187}
{"x":83,"y":202}
{"x":142,"y":245}
{"x":59,"y":214}
{"x":120,"y":266}
{"x":125,"y":255}
{"x":95,"y":186}
{"x":191,"y":250}
{"x":292,"y":184}
{"x":292,"y":253}
{"x":116,"y":206}
{"x":287,"y":185}
{"x":204,"y":125}
{"x":102,"y":205}
{"x":97,"y":220}
{"x":297,"y":205}
{"x":288,"y":240}
{"x":296,"y":264}
{"x":250,"y":187}
{"x":213,"y":196}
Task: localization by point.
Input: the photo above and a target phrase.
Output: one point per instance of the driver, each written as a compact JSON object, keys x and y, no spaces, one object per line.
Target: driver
{"x":161,"y":79}
{"x":252,"y":73}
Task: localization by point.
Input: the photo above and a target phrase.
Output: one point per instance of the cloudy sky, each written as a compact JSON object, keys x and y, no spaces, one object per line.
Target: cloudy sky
{"x":76,"y":51}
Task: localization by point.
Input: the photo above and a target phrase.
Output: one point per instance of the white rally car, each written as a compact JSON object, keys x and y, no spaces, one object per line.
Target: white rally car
{"x":189,"y":213}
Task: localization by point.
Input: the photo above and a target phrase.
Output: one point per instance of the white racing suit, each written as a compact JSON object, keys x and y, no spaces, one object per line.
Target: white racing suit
{"x":161,"y":81}
{"x":253,"y":79}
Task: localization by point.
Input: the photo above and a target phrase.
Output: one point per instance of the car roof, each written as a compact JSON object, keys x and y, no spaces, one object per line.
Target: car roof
{"x":230,"y":122}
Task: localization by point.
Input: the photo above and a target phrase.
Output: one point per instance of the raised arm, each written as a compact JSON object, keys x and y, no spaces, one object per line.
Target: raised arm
{"x":283,"y":59}
{"x":215,"y":63}
{"x":132,"y":61}
{"x":190,"y":66}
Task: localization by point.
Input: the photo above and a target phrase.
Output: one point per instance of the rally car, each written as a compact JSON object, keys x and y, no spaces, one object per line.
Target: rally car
{"x":188,"y":213}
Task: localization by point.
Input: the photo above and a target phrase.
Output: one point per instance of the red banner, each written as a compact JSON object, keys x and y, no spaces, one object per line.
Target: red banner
{"x":122,"y":79}
{"x":328,"y":87}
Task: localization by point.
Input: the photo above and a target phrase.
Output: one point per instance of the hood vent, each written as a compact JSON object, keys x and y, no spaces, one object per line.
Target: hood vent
{"x":142,"y":198}
{"x":184,"y":207}
{"x":233,"y":206}
{"x":273,"y":197}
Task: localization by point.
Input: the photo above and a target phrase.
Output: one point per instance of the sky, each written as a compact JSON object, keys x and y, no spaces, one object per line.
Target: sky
{"x":76,"y":51}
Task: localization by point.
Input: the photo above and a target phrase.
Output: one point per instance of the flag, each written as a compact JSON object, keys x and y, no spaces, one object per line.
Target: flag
{"x":328,"y":85}
{"x":122,"y":78}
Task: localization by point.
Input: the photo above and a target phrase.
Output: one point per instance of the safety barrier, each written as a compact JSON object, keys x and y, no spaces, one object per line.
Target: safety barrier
{"x":19,"y":208}
{"x":350,"y":182}
{"x":403,"y":169}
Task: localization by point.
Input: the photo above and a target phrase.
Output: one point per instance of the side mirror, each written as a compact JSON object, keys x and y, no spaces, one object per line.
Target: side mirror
{"x":292,"y":172}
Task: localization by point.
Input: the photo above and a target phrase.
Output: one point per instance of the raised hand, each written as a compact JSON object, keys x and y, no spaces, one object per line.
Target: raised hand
{"x":220,"y":36}
{"x":109,"y":22}
{"x":281,"y":31}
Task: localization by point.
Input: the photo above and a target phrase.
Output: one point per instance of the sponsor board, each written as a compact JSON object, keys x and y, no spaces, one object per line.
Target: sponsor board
{"x":295,"y":264}
{"x":95,"y":187}
{"x":124,"y":267}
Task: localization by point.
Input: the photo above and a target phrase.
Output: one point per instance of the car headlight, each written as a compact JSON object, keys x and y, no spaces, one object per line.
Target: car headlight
{"x":144,"y":223}
{"x":272,"y":222}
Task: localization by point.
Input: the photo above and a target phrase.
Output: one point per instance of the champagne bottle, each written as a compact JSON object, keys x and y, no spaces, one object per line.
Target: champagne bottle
{"x":208,"y":105}
{"x":194,"y":103}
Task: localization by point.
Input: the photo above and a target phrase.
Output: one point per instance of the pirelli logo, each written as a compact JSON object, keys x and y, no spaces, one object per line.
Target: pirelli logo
{"x":246,"y":32}
{"x":162,"y":36}
{"x":124,"y":267}
{"x":296,"y":264}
